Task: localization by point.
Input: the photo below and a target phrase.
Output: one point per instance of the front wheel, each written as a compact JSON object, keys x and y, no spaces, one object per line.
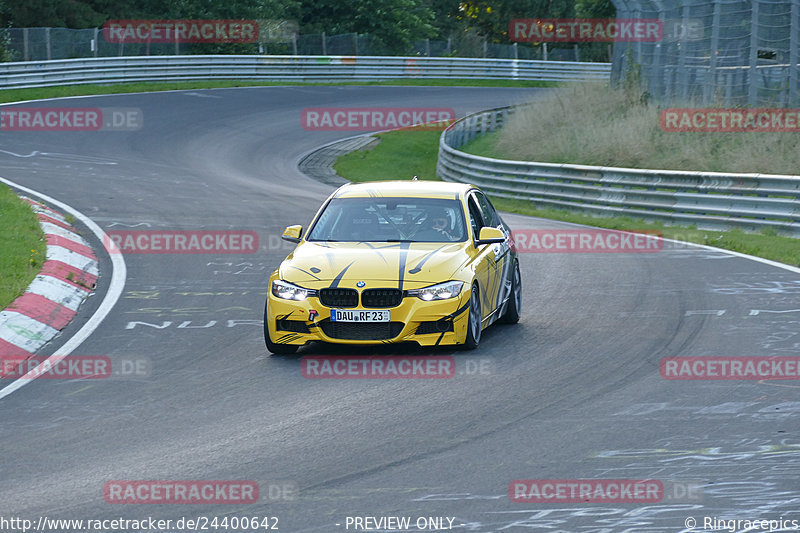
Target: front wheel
{"x":473,"y":337}
{"x":271,"y":346}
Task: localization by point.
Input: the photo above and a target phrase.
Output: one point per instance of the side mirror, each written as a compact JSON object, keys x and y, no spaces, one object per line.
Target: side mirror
{"x":490,"y":235}
{"x":292,"y":233}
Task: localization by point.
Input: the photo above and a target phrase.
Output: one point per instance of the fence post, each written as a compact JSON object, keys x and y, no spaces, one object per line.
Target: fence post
{"x":294,"y":43}
{"x":449,"y":49}
{"x":485,"y":47}
{"x":683,"y":74}
{"x":324,"y":44}
{"x":355,"y":42}
{"x":428,"y":47}
{"x":96,"y":41}
{"x":25,"y":51}
{"x":544,"y":51}
{"x":47,"y":43}
{"x":729,"y":80}
{"x":752,"y":94}
{"x":577,"y":53}
{"x":712,"y":63}
{"x":516,"y":52}
{"x":794,"y":28}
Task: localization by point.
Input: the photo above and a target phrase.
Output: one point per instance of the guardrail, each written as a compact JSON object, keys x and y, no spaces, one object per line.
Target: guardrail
{"x":710,"y":200}
{"x":289,"y":68}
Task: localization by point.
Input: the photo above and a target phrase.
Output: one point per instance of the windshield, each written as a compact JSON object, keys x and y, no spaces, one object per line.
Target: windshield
{"x":390,"y":220}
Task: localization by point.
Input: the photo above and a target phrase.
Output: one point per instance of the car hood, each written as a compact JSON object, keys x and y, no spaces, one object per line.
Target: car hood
{"x":406,"y":265}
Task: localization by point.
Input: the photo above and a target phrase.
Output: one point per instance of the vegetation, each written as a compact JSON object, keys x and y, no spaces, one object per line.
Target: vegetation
{"x":22,"y":246}
{"x":596,"y":125}
{"x":413,"y":152}
{"x":393,"y":25}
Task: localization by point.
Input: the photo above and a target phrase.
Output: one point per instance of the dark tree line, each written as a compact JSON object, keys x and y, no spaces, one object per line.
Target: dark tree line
{"x":393,"y":23}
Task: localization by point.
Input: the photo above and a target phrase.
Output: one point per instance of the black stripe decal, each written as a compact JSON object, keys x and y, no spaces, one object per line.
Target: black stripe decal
{"x":339,"y":277}
{"x":307,"y":273}
{"x":404,"y":246}
{"x":417,"y":268}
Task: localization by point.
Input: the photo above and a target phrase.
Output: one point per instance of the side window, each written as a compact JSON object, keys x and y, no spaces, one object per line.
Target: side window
{"x":490,"y":216}
{"x":475,"y":219}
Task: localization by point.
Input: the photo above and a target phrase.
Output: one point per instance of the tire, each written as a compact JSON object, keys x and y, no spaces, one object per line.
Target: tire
{"x":514,"y":306}
{"x":271,"y":346}
{"x":473,"y":337}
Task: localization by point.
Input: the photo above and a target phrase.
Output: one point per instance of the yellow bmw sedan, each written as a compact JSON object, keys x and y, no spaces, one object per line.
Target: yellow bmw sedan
{"x":395,"y":261}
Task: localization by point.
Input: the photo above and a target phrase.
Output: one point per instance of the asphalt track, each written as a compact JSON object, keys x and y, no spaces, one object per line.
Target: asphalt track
{"x":571,"y":392}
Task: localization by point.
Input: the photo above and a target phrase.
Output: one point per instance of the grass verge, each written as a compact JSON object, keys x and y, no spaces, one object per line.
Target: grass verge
{"x":592,"y":124}
{"x":18,"y":95}
{"x":22,"y":246}
{"x":403,"y":154}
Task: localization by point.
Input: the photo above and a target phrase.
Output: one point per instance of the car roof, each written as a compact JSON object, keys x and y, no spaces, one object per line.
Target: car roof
{"x":403,"y":189}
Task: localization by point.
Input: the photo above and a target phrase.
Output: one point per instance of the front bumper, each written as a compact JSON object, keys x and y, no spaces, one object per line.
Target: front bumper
{"x":298,"y":322}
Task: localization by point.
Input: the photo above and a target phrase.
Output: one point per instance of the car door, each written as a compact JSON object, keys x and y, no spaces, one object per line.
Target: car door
{"x":484,"y":260}
{"x":500,"y":264}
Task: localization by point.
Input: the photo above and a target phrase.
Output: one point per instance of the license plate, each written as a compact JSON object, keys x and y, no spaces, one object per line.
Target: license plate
{"x":347,"y":315}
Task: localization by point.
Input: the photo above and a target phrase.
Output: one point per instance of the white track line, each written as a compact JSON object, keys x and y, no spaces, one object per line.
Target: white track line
{"x":769,"y":262}
{"x":115,"y":288}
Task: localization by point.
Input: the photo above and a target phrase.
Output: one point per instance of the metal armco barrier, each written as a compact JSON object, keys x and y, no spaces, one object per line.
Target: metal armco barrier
{"x":710,"y":200}
{"x":289,"y":68}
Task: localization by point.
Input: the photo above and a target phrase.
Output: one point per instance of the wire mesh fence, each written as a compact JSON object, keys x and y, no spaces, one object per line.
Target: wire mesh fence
{"x":714,"y":52}
{"x":37,"y":44}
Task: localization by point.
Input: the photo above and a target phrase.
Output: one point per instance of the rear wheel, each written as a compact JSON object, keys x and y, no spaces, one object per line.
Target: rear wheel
{"x":271,"y":346}
{"x":514,"y":306}
{"x":474,"y":320}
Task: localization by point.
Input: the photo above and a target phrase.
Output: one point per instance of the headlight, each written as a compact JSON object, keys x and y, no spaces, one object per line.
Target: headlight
{"x":287,"y":291}
{"x":442,"y":291}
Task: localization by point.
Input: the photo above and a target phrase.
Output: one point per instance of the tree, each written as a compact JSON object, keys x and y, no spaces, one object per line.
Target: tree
{"x":491,"y":17}
{"x":393,"y":25}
